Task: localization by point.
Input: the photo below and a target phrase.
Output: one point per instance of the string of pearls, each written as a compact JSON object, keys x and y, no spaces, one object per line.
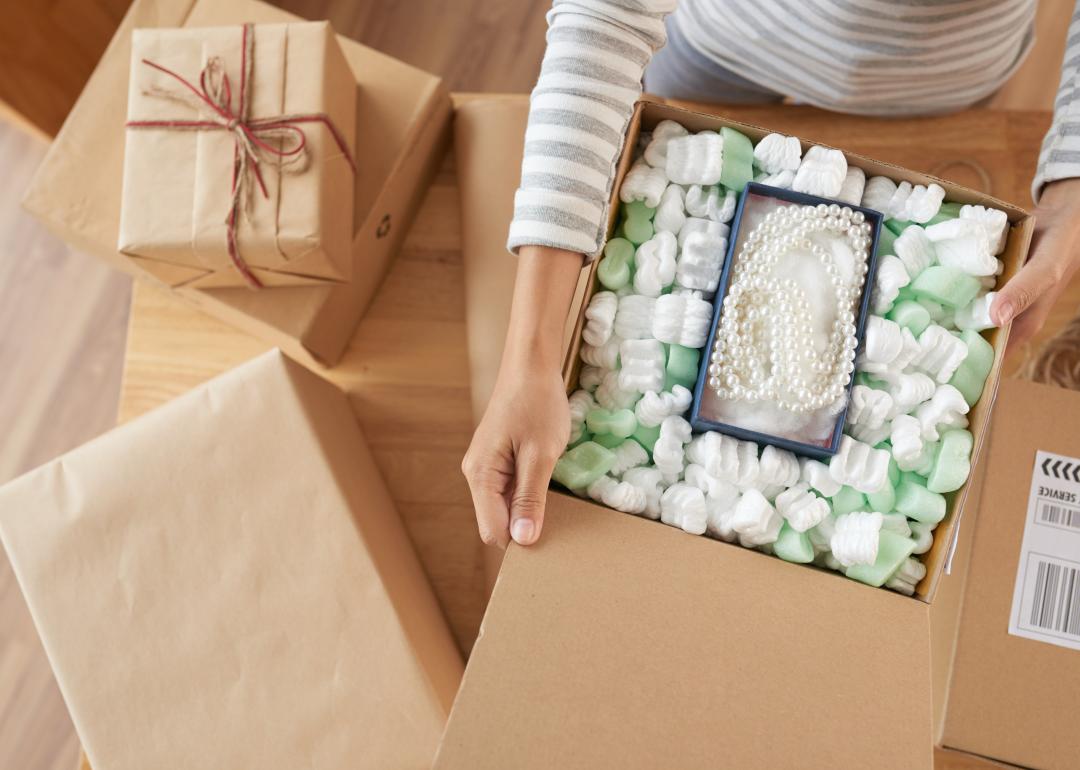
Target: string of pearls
{"x":764,"y":349}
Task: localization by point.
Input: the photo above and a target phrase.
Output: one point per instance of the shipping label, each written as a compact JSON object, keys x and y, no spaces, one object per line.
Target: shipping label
{"x":1046,"y":599}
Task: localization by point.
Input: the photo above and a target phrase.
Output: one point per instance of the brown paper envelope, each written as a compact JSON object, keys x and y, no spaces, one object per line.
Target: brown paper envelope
{"x":224,"y":583}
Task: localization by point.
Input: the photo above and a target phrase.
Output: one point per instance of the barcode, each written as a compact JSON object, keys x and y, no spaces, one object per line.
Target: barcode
{"x":1060,"y":515}
{"x":1056,"y":605}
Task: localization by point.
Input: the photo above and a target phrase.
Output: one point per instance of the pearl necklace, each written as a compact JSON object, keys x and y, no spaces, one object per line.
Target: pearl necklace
{"x":764,"y":344}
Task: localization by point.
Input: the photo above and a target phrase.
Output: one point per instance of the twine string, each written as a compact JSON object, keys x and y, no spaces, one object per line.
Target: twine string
{"x":253,"y":138}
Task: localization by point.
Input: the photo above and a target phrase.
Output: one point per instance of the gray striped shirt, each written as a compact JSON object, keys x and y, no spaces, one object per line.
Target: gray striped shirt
{"x":877,"y":57}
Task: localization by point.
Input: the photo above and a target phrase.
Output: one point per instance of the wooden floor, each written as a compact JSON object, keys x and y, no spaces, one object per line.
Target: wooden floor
{"x":63,"y":317}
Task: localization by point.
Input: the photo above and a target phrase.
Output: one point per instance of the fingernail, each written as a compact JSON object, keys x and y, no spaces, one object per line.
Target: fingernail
{"x":523,"y":531}
{"x":1005,"y":313}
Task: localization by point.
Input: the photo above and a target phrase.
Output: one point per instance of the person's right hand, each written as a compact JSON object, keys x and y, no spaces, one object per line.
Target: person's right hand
{"x":527,"y":422}
{"x":509,"y":463}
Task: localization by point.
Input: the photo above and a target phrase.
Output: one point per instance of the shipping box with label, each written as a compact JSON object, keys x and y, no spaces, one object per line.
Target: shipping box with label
{"x":617,"y":642}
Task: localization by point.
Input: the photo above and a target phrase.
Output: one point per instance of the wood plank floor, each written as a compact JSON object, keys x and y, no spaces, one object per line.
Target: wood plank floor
{"x":63,"y":317}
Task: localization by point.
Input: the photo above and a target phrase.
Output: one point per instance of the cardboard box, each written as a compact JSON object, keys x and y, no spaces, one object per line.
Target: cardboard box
{"x":619,"y":642}
{"x":290,"y":219}
{"x":224,"y":583}
{"x":402,"y":120}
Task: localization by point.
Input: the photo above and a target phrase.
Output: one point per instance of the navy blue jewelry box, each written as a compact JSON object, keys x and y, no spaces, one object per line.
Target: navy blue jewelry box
{"x":701,"y":423}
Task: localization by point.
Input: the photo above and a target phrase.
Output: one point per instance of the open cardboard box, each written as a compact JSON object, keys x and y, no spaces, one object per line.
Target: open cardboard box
{"x":619,"y":642}
{"x":402,"y":118}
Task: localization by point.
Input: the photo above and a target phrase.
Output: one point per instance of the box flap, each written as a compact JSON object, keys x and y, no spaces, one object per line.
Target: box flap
{"x":224,"y":583}
{"x":618,"y":642}
{"x":1012,"y":698}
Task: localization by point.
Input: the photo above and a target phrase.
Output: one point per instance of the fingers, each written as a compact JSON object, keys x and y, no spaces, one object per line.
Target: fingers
{"x":530,"y":493}
{"x":1043,"y":274}
{"x":488,"y":486}
{"x":1028,"y":325}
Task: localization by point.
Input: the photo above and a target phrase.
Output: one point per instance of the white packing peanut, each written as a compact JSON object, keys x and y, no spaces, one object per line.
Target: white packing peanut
{"x":604,"y":356}
{"x":654,"y":408}
{"x":702,"y":224}
{"x":590,"y":377}
{"x":620,"y":495}
{"x":860,"y":466}
{"x":963,"y":244}
{"x":995,"y":221}
{"x":851,"y":191}
{"x":890,"y":278}
{"x":580,"y":401}
{"x":683,"y":506}
{"x":681,"y":320}
{"x":600,"y":318}
{"x":777,"y":152}
{"x":700,"y":263}
{"x":656,"y":150}
{"x":822,"y":172}
{"x":856,"y":538}
{"x":802,"y":509}
{"x":946,"y":409}
{"x":976,"y":315}
{"x":816,"y":475}
{"x":670,"y":215}
{"x":695,"y":159}
{"x":755,"y":520}
{"x":915,"y":250}
{"x":651,"y":482}
{"x":940,"y":353}
{"x":634,"y":317}
{"x":923,"y":204}
{"x":868,"y":406}
{"x":878,"y":192}
{"x":908,"y":447}
{"x":669,"y":453}
{"x":643,"y":183}
{"x":629,"y":454}
{"x":642,"y":365}
{"x":654,"y":264}
{"x":610,"y":396}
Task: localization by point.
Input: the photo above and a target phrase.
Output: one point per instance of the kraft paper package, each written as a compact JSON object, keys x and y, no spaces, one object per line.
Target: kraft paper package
{"x":402,"y":118}
{"x":224,"y":583}
{"x":238,"y":158}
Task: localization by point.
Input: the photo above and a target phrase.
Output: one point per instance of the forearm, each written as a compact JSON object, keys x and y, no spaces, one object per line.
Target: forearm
{"x":1060,"y":156}
{"x":580,"y":108}
{"x":543,"y":290}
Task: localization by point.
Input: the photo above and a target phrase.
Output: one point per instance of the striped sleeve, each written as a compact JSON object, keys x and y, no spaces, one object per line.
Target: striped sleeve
{"x":1060,"y":156}
{"x":589,"y":81}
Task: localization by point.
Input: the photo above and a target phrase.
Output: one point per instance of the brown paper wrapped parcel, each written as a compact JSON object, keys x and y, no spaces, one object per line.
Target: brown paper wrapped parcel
{"x":224,"y":583}
{"x":238,"y":166}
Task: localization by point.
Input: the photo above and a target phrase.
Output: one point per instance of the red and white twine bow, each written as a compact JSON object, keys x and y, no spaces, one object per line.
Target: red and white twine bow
{"x":250,"y":134}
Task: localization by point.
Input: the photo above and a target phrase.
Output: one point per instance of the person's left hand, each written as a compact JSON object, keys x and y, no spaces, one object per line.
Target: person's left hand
{"x":1054,"y":258}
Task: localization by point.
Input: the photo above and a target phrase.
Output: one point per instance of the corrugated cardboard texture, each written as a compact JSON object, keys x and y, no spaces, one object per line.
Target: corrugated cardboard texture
{"x":617,"y":643}
{"x":403,"y":116}
{"x":1012,"y":698}
{"x":224,"y":583}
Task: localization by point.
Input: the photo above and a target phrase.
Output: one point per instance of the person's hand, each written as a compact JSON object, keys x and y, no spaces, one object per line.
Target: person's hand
{"x":527,"y":422}
{"x":1055,"y":257}
{"x":509,"y":463}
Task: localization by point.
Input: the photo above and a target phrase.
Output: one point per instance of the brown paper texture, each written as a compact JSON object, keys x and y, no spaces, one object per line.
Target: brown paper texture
{"x":224,"y":583}
{"x":177,"y":183}
{"x":402,"y":113}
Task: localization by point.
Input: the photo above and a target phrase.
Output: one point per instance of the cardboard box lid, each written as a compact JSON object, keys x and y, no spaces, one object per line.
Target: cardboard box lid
{"x":224,"y":583}
{"x":597,"y":651}
{"x":402,"y":112}
{"x":1012,"y":698}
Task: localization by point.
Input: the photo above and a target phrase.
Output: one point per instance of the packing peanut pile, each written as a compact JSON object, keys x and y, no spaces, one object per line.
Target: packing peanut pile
{"x":872,"y":509}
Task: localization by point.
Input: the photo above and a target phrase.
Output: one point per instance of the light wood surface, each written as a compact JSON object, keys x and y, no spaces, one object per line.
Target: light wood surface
{"x":62,"y":316}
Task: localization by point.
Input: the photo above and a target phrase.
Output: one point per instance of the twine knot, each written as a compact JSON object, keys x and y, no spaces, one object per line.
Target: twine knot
{"x":250,"y":134}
